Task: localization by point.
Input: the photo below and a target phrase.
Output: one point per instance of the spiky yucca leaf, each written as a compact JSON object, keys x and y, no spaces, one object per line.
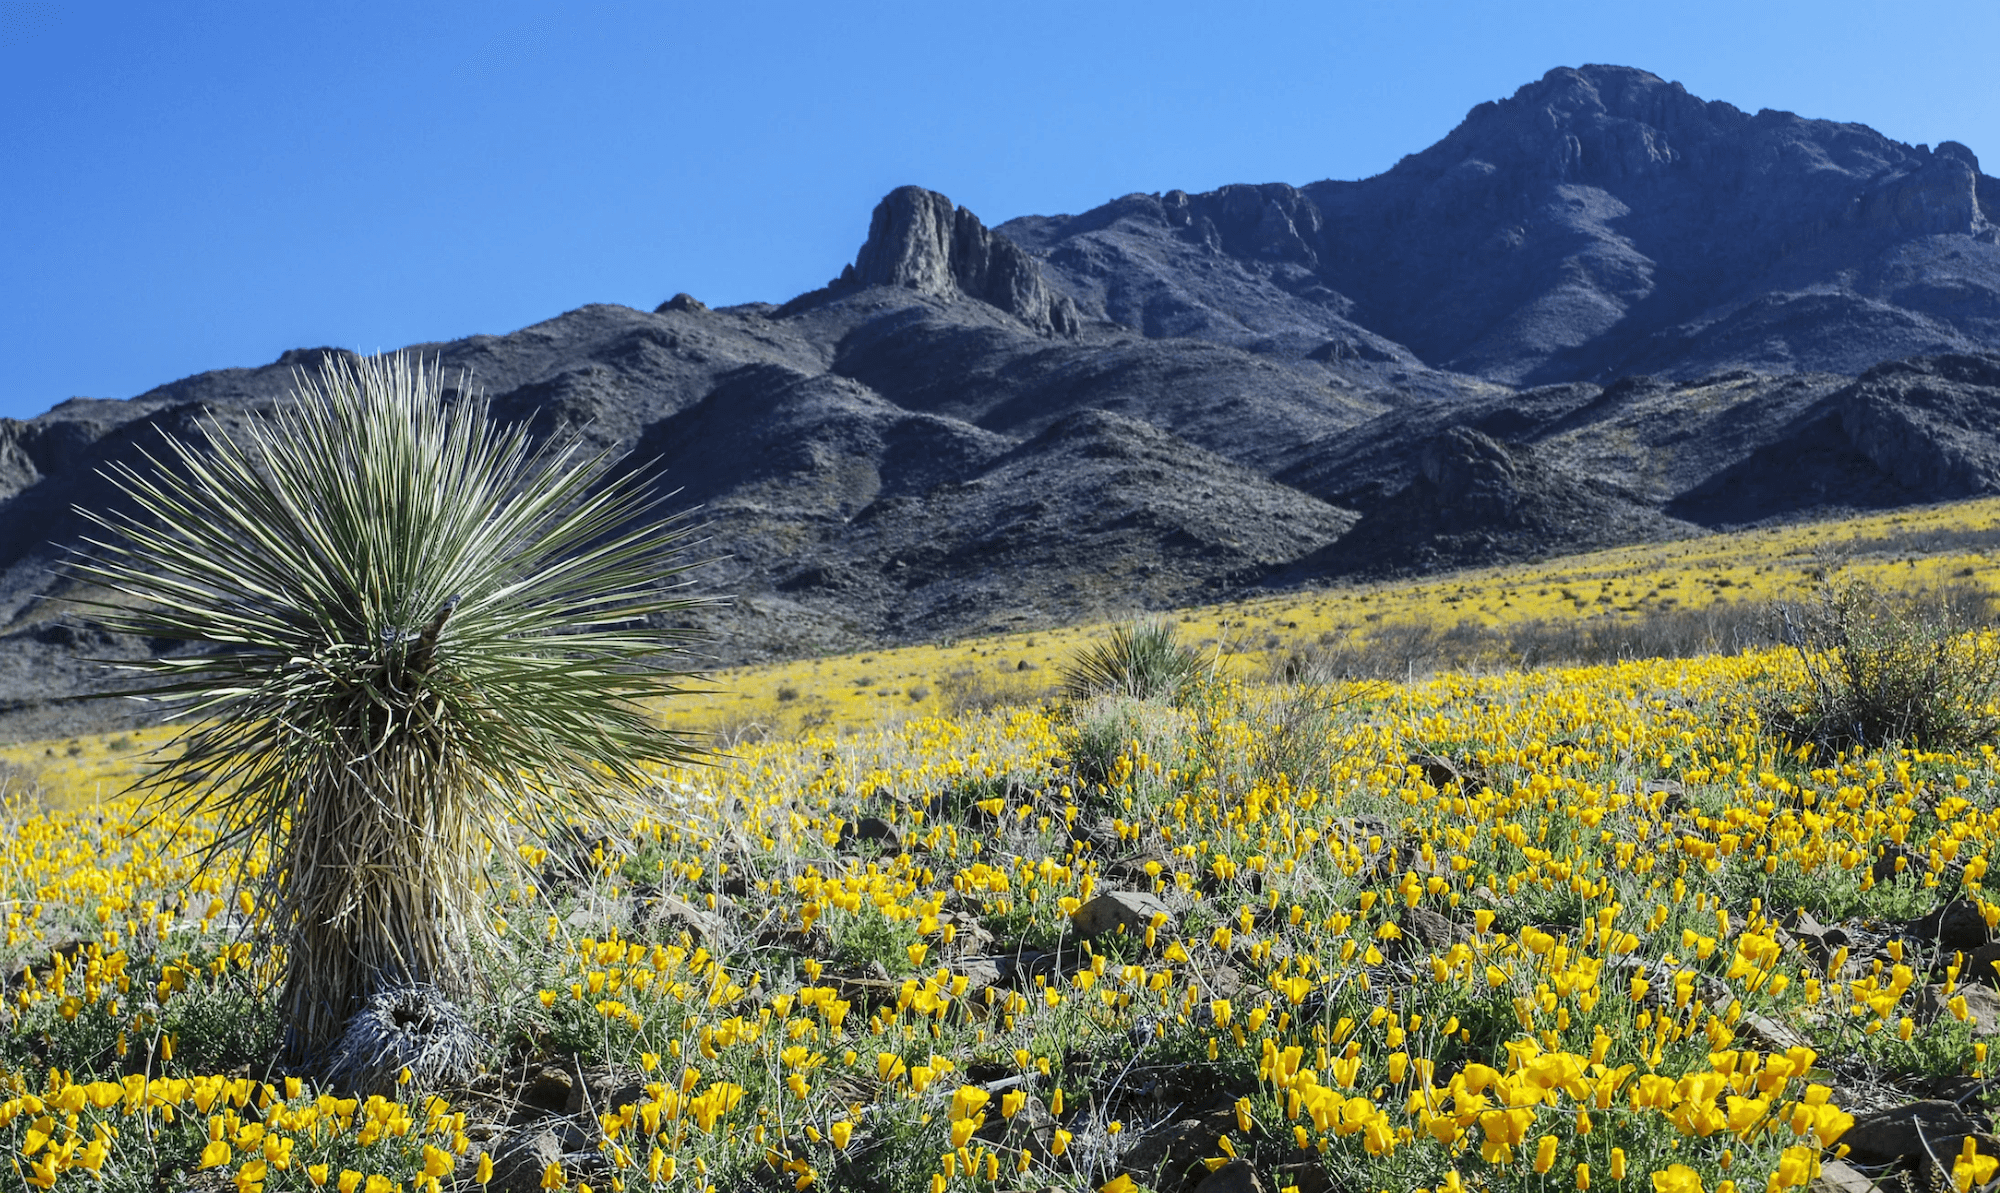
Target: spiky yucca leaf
{"x":423,"y":625}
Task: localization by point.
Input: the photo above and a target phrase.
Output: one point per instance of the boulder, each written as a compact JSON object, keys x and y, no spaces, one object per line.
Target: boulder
{"x":1956,"y":925}
{"x":1433,"y":931}
{"x":1982,"y":1006}
{"x":1133,"y":911}
{"x":1982,"y":965}
{"x":1237,"y":1176}
{"x":1032,"y":1125}
{"x":1915,"y":1129}
{"x":1306,"y":1176}
{"x":1767,"y":1033}
{"x":1169,"y":1158}
{"x":602,"y":1091}
{"x":871,"y":828}
{"x":548,"y":1087}
{"x":672,"y":915}
{"x":522,"y":1158}
{"x":1838,"y":1176}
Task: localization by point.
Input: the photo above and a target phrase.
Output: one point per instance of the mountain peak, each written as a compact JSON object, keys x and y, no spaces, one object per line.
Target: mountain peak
{"x":920,"y":240}
{"x":1599,"y":221}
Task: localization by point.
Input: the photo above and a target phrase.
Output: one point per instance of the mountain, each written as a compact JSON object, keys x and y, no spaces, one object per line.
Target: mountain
{"x":1599,"y":311}
{"x":1599,"y":223}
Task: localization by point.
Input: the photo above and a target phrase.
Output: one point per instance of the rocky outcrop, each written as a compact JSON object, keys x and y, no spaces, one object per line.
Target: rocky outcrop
{"x":921,"y":241}
{"x":1933,"y":425}
{"x":310,"y":359}
{"x":1928,"y":198}
{"x":1471,"y":481}
{"x":1908,"y":431}
{"x":1475,"y":499}
{"x":683,"y":302}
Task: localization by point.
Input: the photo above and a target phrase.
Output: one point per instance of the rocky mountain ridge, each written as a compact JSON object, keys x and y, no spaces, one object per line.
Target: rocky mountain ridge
{"x":1599,"y":311}
{"x":1599,"y":223}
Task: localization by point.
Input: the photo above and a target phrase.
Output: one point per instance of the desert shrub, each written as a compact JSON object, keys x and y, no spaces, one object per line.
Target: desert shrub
{"x":1146,"y":661}
{"x":869,"y":936}
{"x":1880,"y":668}
{"x":1101,"y":730}
{"x":1405,"y":651}
{"x":1302,"y":730}
{"x":20,"y":791}
{"x":224,"y":1021}
{"x":735,"y":732}
{"x":1399,"y":650}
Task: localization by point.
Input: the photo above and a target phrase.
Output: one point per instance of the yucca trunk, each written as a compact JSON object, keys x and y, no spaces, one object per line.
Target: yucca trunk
{"x":379,"y":878}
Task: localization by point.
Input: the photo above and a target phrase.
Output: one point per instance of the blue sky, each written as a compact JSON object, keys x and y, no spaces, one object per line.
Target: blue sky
{"x":189,"y":185}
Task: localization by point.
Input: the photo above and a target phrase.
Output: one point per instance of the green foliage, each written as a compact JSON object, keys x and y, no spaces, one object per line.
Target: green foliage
{"x":868,"y":935}
{"x":1146,"y":661}
{"x":1882,"y":669}
{"x":420,"y":624}
{"x":223,"y":1022}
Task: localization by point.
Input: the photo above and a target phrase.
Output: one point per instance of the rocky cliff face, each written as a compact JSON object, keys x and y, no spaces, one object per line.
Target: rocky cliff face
{"x":1473,"y":498}
{"x":920,"y":241}
{"x":1929,"y":424}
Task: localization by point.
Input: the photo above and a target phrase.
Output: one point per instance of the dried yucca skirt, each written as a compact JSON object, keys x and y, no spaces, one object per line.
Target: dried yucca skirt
{"x":411,"y":1027}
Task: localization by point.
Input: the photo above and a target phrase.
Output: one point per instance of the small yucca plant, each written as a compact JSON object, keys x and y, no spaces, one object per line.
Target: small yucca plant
{"x":1146,"y":661}
{"x":422,"y":624}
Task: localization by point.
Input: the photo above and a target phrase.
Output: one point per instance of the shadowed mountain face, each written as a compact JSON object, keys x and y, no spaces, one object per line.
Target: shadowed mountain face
{"x":1599,"y":311}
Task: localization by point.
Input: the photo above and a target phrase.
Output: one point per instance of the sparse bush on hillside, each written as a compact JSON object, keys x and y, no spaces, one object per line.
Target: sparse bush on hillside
{"x":1883,"y":668}
{"x":1146,"y":661}
{"x":968,"y":691}
{"x":426,"y":627}
{"x":20,"y":792}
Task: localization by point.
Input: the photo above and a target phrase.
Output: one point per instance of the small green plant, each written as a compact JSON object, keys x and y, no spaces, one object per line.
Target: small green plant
{"x":1146,"y":661}
{"x":868,"y":935}
{"x":1884,"y":668}
{"x":223,"y":1022}
{"x":1101,"y":730}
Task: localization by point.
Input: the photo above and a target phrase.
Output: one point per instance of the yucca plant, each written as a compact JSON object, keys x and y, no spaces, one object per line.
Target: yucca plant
{"x":1146,"y":661}
{"x":420,"y":626}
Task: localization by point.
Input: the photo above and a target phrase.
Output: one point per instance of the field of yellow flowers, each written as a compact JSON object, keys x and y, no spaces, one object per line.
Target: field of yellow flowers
{"x":1586,"y":928}
{"x":927,"y":927}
